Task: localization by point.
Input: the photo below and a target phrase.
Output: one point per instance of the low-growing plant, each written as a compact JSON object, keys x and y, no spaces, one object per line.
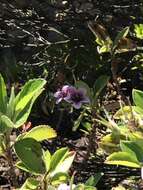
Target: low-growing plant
{"x":125,"y":139}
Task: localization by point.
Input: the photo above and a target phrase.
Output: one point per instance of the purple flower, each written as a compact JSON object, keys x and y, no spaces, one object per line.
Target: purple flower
{"x":64,"y":93}
{"x":78,"y":97}
{"x":72,"y":95}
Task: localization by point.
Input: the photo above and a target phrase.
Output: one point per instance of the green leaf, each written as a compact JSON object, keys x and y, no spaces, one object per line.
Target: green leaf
{"x":5,"y":124}
{"x":21,"y":117}
{"x":30,"y":184}
{"x":122,"y":34}
{"x":57,"y":158}
{"x":27,"y":92}
{"x":138,"y":110}
{"x":41,"y":132}
{"x":3,"y":96}
{"x":65,"y":164}
{"x":138,"y":98}
{"x":99,"y":84}
{"x":93,"y":180}
{"x":25,"y":100}
{"x":30,"y":153}
{"x":11,"y":104}
{"x":61,"y":161}
{"x":47,"y":159}
{"x":124,"y":159}
{"x":103,"y":49}
{"x":139,"y":30}
{"x":132,"y":148}
{"x":23,"y":167}
{"x":59,"y":178}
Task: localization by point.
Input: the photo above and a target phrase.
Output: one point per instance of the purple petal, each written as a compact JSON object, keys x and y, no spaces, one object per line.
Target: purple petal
{"x":57,"y":94}
{"x":77,"y":105}
{"x":65,"y":88}
{"x":58,"y":100}
{"x":86,"y":100}
{"x":82,"y":91}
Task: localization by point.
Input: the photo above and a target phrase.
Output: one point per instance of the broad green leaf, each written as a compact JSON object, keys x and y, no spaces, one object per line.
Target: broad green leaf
{"x":11,"y":104}
{"x":27,"y":92}
{"x":25,"y":100}
{"x":3,"y":96}
{"x":132,"y":148}
{"x":57,"y":158}
{"x":123,"y":159}
{"x":59,"y":178}
{"x":30,"y":184}
{"x":65,"y":164}
{"x":93,"y":180}
{"x":23,"y":167}
{"x":99,"y":84}
{"x":30,"y":153}
{"x":122,"y":34}
{"x":5,"y":124}
{"x":21,"y":117}
{"x":138,"y":110}
{"x":47,"y":159}
{"x":138,"y":98}
{"x":41,"y":132}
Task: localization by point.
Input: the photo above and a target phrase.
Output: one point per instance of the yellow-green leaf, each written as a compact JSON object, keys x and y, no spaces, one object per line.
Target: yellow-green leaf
{"x":124,"y":159}
{"x":41,"y":132}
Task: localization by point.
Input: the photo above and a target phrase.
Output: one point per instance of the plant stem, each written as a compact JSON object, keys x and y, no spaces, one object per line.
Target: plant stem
{"x":10,"y":160}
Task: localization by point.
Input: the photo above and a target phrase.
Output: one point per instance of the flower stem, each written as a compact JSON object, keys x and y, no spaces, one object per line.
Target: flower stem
{"x":10,"y":161}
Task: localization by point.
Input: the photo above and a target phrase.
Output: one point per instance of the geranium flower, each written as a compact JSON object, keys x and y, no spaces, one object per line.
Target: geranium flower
{"x":78,"y":97}
{"x":64,"y":93}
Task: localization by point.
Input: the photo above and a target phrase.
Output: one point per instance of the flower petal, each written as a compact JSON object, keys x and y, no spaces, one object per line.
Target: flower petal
{"x":58,"y":100}
{"x":57,"y":94}
{"x":77,"y":105}
{"x":86,"y":100}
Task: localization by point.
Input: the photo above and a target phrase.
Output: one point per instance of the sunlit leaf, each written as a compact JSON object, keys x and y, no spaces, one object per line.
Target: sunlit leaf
{"x":138,"y":98}
{"x":47,"y":159}
{"x":5,"y":124}
{"x":41,"y":132}
{"x":124,"y":159}
{"x":30,"y":184}
{"x":59,"y":178}
{"x":3,"y":96}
